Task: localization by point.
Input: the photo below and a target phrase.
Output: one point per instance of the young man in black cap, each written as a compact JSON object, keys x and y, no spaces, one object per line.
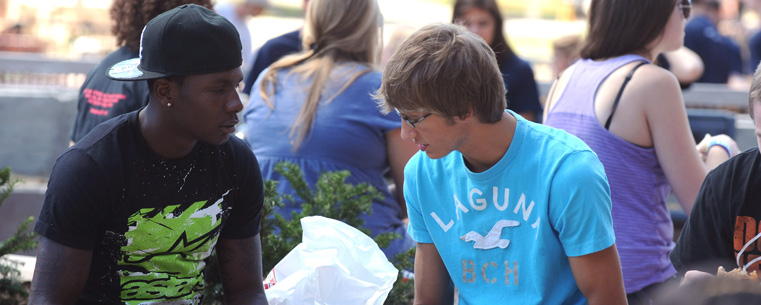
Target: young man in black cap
{"x":134,"y":209}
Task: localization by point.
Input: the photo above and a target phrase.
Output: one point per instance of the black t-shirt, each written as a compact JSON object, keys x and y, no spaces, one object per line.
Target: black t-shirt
{"x":725,"y":218}
{"x":151,"y":223}
{"x":101,"y":98}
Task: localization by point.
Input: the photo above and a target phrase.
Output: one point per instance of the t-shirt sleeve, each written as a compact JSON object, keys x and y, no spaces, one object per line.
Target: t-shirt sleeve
{"x":580,"y":205}
{"x":700,"y":245}
{"x":416,"y":228}
{"x":244,"y":220}
{"x":75,"y":201}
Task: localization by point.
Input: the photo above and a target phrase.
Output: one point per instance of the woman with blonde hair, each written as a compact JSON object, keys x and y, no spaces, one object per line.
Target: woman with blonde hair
{"x":315,"y":109}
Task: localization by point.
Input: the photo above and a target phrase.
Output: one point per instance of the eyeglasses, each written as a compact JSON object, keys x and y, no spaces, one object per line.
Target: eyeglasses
{"x":685,"y":6}
{"x":412,"y":122}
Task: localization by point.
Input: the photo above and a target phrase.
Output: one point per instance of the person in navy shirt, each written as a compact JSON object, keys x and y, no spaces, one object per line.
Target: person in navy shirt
{"x":720,"y":54}
{"x":483,"y":18}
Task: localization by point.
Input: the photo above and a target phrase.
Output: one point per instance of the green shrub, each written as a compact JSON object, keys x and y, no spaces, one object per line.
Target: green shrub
{"x":332,"y":198}
{"x":12,"y":290}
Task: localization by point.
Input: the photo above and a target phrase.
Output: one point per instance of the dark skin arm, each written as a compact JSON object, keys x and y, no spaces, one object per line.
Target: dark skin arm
{"x":60,"y":273}
{"x":240,"y":266}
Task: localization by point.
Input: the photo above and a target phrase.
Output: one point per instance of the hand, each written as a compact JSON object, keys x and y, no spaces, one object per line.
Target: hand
{"x":702,"y":147}
{"x":730,"y":141}
{"x":694,"y":276}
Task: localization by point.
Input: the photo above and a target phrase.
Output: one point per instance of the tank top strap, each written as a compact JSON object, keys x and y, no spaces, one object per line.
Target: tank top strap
{"x":578,"y":95}
{"x":620,"y":92}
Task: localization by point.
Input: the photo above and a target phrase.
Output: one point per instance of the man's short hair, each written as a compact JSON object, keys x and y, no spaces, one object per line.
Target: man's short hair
{"x":445,"y":69}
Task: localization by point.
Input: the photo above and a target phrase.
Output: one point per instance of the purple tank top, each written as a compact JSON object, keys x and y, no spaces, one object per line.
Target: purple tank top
{"x":638,"y":186}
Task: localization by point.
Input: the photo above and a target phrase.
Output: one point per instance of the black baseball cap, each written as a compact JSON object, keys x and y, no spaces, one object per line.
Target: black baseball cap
{"x":186,"y":40}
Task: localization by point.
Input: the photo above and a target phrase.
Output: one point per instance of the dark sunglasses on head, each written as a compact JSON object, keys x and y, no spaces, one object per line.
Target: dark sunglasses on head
{"x":685,"y":6}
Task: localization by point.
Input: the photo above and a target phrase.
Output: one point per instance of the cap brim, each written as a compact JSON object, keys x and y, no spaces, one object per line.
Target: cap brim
{"x":130,"y":70}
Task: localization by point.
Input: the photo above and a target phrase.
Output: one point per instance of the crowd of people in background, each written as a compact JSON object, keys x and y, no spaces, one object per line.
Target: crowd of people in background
{"x":446,"y":122}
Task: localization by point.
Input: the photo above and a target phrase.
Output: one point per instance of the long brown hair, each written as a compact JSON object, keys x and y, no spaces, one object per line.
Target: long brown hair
{"x":335,"y":31}
{"x":499,"y":44}
{"x":619,"y":27}
{"x":131,"y":16}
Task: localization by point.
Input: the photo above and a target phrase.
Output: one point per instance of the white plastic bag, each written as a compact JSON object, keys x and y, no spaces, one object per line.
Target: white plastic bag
{"x":334,"y":264}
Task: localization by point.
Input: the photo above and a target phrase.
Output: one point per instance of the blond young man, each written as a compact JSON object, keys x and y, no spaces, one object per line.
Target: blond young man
{"x":509,"y":210}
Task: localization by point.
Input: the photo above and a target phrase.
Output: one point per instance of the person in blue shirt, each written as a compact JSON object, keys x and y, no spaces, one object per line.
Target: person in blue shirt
{"x":720,"y":55}
{"x":314,"y":109}
{"x":508,"y":210}
{"x":754,"y":41}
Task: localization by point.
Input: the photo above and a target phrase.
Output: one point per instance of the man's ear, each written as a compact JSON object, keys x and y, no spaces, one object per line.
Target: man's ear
{"x":163,"y":90}
{"x":467,"y":116}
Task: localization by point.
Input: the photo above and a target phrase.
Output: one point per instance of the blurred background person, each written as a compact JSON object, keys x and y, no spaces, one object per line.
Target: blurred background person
{"x":314,"y":109}
{"x":565,"y":52}
{"x":398,"y":36}
{"x":271,"y":51}
{"x":100,"y":98}
{"x":647,"y":147}
{"x":238,"y":12}
{"x":483,"y":18}
{"x":754,"y":41}
{"x":721,"y":55}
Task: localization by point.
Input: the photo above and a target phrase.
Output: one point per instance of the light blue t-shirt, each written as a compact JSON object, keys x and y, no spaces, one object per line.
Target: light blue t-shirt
{"x":505,"y":234}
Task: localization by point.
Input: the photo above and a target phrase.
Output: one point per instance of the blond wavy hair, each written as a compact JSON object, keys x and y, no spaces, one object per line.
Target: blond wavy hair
{"x":335,"y":31}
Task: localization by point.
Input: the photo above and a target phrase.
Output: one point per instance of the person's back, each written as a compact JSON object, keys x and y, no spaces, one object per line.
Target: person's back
{"x":631,"y":114}
{"x":348,"y":133}
{"x":638,"y":183}
{"x":343,"y":129}
{"x":101,"y":99}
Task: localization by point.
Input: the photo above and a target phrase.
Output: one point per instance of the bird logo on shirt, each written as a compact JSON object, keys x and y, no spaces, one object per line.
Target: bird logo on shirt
{"x":493,"y":238}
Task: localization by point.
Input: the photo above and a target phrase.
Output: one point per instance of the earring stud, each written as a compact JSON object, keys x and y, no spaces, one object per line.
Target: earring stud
{"x":169,"y":104}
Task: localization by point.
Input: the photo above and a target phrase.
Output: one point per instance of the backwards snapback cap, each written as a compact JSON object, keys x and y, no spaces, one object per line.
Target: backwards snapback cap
{"x":189,"y":39}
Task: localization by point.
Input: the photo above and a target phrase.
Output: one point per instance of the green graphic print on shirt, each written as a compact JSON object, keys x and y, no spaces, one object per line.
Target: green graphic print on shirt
{"x":163,"y":260}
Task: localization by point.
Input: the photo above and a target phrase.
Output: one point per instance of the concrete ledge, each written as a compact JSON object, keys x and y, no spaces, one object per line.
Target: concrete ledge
{"x":36,"y":126}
